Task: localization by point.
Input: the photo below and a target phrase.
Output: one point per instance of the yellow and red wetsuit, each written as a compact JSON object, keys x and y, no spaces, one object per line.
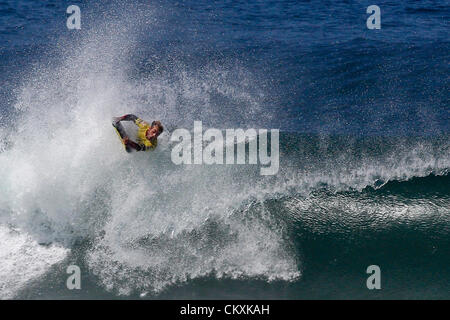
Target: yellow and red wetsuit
{"x":143,"y":143}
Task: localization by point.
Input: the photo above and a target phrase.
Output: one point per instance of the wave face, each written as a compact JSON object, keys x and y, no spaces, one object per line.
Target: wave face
{"x":351,"y":190}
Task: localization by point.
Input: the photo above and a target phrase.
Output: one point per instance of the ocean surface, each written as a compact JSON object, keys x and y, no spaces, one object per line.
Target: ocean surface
{"x":364,"y":150}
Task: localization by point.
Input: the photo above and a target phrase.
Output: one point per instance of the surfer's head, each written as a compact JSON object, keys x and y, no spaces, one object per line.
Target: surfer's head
{"x":155,"y":130}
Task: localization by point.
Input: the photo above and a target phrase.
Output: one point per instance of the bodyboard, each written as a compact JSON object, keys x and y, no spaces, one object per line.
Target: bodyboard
{"x":122,"y":134}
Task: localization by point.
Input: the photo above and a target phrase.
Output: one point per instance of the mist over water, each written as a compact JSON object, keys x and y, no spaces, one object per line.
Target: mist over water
{"x":147,"y":217}
{"x":138,"y":224}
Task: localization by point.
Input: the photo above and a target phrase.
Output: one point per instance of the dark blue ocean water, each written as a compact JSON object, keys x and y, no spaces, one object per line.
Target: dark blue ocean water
{"x":365,"y":122}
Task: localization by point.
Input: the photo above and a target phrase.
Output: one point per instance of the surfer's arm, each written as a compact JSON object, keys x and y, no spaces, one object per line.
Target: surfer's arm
{"x":131,"y":117}
{"x":134,"y":145}
{"x":127,"y":117}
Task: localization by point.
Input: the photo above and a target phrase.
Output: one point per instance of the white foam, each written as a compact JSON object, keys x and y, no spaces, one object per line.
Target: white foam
{"x":23,"y":260}
{"x":70,"y":178}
